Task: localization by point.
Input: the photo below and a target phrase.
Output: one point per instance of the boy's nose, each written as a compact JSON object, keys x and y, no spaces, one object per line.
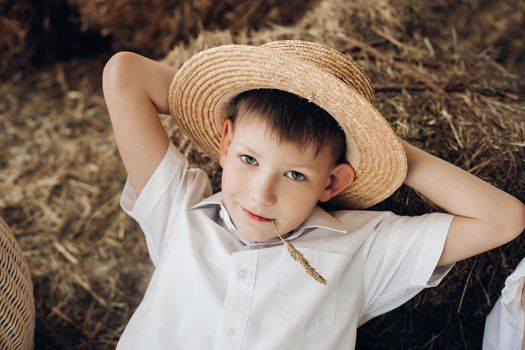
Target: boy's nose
{"x":262,"y":191}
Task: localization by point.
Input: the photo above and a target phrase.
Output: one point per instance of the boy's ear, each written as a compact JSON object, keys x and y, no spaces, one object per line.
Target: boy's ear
{"x":226,"y":139}
{"x":341,"y":177}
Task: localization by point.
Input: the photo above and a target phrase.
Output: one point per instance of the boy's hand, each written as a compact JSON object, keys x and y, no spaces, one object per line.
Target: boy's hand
{"x":485,"y":216}
{"x":136,"y":91}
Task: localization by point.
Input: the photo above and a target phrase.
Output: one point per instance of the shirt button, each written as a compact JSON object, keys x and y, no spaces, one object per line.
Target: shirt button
{"x":243,"y":274}
{"x":229,"y":331}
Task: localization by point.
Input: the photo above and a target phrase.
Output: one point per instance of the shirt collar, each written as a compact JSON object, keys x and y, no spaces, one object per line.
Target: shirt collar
{"x":213,"y":199}
{"x":317,"y":219}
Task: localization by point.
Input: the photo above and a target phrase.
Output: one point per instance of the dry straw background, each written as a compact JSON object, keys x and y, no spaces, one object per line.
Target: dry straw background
{"x":448,"y":77}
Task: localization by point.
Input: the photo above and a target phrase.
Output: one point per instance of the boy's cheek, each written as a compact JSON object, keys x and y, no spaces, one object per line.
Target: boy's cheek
{"x":230,"y":177}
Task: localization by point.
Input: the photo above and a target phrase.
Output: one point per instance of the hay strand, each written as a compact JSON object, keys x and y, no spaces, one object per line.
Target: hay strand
{"x":299,"y":257}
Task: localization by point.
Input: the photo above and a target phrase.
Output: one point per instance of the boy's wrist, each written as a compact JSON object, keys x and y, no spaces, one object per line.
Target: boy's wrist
{"x":412,"y":154}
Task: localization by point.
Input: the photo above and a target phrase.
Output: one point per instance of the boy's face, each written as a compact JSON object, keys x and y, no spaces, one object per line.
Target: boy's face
{"x":263,"y":179}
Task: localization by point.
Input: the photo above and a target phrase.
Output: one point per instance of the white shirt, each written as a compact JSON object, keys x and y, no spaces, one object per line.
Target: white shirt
{"x":213,"y":289}
{"x":504,"y":324}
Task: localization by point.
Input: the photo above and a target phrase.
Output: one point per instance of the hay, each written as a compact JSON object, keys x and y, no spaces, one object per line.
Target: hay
{"x":493,"y":28}
{"x":153,"y":27}
{"x":61,"y":177}
{"x":16,"y":19}
{"x":58,"y":197}
{"x":40,"y":31}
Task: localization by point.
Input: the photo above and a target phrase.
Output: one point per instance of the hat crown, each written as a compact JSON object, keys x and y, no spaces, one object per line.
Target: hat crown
{"x":330,"y":60}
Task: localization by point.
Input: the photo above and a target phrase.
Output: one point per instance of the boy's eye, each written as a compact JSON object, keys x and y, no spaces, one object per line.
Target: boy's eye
{"x":248,"y":159}
{"x":295,"y":175}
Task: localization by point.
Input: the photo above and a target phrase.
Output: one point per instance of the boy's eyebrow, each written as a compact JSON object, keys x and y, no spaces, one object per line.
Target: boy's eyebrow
{"x":291,"y":165}
{"x":248,"y":149}
{"x":300,"y":166}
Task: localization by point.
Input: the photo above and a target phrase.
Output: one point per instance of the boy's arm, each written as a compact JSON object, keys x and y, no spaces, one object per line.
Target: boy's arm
{"x":485,"y":216}
{"x":136,"y":91}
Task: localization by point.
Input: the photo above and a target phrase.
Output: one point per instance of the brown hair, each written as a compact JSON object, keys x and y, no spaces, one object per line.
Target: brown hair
{"x":291,"y":118}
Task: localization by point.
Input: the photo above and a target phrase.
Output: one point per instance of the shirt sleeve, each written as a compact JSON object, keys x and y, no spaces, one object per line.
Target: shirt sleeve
{"x":171,"y":189}
{"x":401,"y":260}
{"x":504,"y":324}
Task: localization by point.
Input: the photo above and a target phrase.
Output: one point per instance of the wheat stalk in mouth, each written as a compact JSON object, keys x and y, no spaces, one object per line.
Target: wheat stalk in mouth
{"x":299,"y":257}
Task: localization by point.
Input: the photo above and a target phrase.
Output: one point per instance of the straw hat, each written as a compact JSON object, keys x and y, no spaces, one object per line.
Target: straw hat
{"x":204,"y":86}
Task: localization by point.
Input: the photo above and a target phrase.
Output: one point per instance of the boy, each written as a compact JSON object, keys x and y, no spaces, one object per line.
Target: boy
{"x":220,"y":267}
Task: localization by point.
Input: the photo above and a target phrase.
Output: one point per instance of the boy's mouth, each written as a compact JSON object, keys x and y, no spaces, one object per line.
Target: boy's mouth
{"x":254,"y":216}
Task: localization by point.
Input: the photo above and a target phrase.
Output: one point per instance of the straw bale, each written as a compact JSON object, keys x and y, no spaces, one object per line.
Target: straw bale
{"x":494,"y":28}
{"x":153,"y":27}
{"x":41,"y":31}
{"x":61,"y":176}
{"x":16,"y":19}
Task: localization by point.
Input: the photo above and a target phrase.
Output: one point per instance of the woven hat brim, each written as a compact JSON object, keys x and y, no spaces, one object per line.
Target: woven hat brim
{"x":203,"y":87}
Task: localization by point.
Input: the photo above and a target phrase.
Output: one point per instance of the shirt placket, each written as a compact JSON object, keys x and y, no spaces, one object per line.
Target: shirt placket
{"x":237,"y":305}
